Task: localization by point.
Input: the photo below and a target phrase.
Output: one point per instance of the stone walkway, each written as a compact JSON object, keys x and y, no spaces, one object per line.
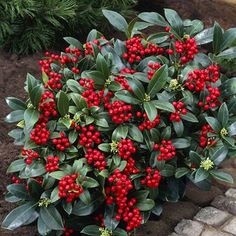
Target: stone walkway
{"x":219,"y":219}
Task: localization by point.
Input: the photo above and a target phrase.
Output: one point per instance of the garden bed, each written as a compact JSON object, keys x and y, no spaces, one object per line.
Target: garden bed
{"x":12,"y":77}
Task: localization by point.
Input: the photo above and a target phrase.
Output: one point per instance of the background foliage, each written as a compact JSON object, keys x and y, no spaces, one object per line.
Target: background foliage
{"x":30,"y":25}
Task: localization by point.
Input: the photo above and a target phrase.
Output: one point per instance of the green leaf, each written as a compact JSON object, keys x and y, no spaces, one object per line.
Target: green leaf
{"x":175,"y":21}
{"x":82,"y":209}
{"x":35,"y":95}
{"x":31,"y":116}
{"x":74,"y":86}
{"x":15,"y":103}
{"x":67,"y":206}
{"x":223,"y":114}
{"x":73,"y":136}
{"x":31,"y":82}
{"x":217,"y":38}
{"x":151,"y":110}
{"x":201,"y":175}
{"x":228,"y":54}
{"x":120,"y":132}
{"x":135,"y":134}
{"x":219,"y":155}
{"x":92,"y":230}
{"x":119,"y":232}
{"x":164,"y":106}
{"x":79,"y":101}
{"x":180,"y":172}
{"x":195,"y":158}
{"x":158,"y":81}
{"x":19,"y":216}
{"x":137,"y":88}
{"x":90,"y":183}
{"x":16,"y":166}
{"x":214,"y":123}
{"x":54,"y":195}
{"x":116,"y":20}
{"x":105,"y":147}
{"x":232,"y":129}
{"x":44,"y":77}
{"x":179,"y":128}
{"x":62,"y":103}
{"x":127,"y":97}
{"x":229,"y":38}
{"x":189,"y":117}
{"x":181,"y":143}
{"x":222,"y":176}
{"x":57,"y":174}
{"x":102,"y":66}
{"x":15,"y":116}
{"x":35,"y":189}
{"x":51,"y":217}
{"x":42,"y":228}
{"x":145,"y":205}
{"x":102,"y":123}
{"x":35,"y":169}
{"x":109,"y":217}
{"x":204,"y":37}
{"x":74,"y":42}
{"x":154,"y":18}
{"x":18,"y":190}
{"x":197,"y":26}
{"x":168,"y":170}
{"x":157,"y":210}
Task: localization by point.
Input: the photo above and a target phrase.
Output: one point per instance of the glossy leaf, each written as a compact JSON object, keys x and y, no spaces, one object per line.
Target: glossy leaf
{"x":62,"y":103}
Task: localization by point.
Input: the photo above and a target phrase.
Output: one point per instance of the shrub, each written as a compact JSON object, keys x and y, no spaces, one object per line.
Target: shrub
{"x":29,"y":26}
{"x":115,"y":128}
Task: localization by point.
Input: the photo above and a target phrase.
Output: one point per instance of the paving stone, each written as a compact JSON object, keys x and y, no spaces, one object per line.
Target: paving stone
{"x":189,"y":228}
{"x":210,"y":231}
{"x":230,"y":226}
{"x":225,"y":203}
{"x":201,"y":197}
{"x":212,"y":216}
{"x":174,"y":234}
{"x":231,"y":193}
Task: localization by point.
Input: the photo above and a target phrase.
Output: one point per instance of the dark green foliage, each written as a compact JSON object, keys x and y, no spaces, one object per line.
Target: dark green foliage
{"x":31,"y":25}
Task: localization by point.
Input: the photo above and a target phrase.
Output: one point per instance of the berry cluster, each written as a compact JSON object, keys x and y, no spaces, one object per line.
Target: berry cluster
{"x":16,"y":180}
{"x":167,"y":150}
{"x":136,"y":50}
{"x":204,"y":139}
{"x":126,"y":148}
{"x":117,"y":194}
{"x":119,"y":111}
{"x":89,"y":136}
{"x":89,"y":46}
{"x":91,"y":97}
{"x":153,"y":66}
{"x":197,"y":79}
{"x":100,"y":219}
{"x":147,"y":124}
{"x":74,"y":51}
{"x":54,"y":81}
{"x":61,"y":143}
{"x":87,"y":83}
{"x":68,"y":232}
{"x":30,"y":155}
{"x":187,"y":49}
{"x":212,"y":100}
{"x":47,"y":106}
{"x":52,"y":163}
{"x":96,"y":158}
{"x":121,"y":78}
{"x":68,"y":188}
{"x":130,"y":168}
{"x":40,"y":134}
{"x":179,"y":110}
{"x":152,"y":179}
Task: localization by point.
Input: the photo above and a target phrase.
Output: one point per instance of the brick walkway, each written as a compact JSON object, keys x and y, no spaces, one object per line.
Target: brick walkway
{"x":219,"y":219}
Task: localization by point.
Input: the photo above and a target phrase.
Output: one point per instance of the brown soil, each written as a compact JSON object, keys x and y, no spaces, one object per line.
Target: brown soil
{"x":13,"y":72}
